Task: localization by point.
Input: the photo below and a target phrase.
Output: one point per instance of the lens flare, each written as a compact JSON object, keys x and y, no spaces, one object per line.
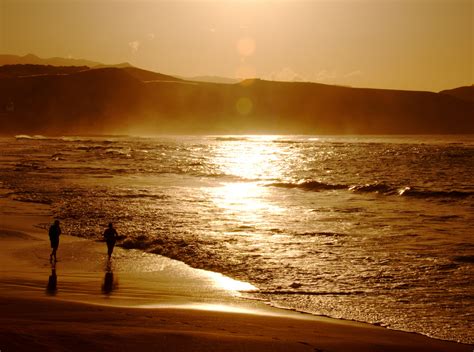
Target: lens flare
{"x":244,"y":106}
{"x":246,"y":46}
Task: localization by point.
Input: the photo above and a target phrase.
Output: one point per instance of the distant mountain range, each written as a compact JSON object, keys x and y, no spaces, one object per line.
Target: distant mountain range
{"x":31,"y":59}
{"x":53,"y":61}
{"x":78,"y":99}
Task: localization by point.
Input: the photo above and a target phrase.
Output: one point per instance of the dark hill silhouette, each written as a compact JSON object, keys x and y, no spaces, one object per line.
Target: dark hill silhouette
{"x":464,"y":93}
{"x":308,"y":108}
{"x":117,"y":100}
{"x":146,"y":76}
{"x":85,"y":101}
{"x":212,"y":79}
{"x":30,"y":70}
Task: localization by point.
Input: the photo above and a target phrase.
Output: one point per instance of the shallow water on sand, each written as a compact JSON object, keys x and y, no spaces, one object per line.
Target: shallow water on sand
{"x":375,"y":229}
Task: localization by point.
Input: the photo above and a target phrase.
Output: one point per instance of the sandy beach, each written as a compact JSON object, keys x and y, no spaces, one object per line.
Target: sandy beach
{"x":148,"y":302}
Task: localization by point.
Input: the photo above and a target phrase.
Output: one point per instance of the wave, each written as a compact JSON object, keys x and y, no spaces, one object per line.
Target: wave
{"x":35,"y":137}
{"x":62,"y":138}
{"x":231,"y":139}
{"x":436,"y":194}
{"x":140,"y":196}
{"x":285,"y":141}
{"x":322,"y":234}
{"x":311,"y":293}
{"x":106,"y":149}
{"x":309,"y":185}
{"x":82,"y":139}
{"x":376,"y":187}
{"x":464,"y":258}
{"x":409,"y":191}
{"x":33,"y":199}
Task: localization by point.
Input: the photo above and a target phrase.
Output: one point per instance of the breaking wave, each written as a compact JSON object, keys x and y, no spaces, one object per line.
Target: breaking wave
{"x":309,"y":185}
{"x":35,"y":137}
{"x":39,"y":137}
{"x":310,"y":293}
{"x":377,"y":188}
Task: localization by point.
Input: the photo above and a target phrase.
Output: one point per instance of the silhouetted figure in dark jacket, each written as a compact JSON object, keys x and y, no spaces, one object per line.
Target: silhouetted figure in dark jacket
{"x":110,"y":236}
{"x":54,"y":233}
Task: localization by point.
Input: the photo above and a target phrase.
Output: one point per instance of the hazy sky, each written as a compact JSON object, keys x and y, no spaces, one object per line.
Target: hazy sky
{"x":402,"y":44}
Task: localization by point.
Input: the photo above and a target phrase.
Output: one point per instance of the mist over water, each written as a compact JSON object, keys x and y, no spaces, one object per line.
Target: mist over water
{"x":375,"y":229}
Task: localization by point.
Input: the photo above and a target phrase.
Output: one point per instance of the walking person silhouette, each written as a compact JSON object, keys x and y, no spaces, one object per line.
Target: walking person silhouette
{"x":110,"y":236}
{"x":54,"y":233}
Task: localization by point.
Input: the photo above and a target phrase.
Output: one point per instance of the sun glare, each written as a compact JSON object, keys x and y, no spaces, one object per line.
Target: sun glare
{"x":246,"y":46}
{"x":245,"y":202}
{"x":226,"y":283}
{"x":252,"y":160}
{"x":255,"y":158}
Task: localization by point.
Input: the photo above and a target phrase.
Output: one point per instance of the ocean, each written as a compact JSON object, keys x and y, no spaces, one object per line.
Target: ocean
{"x":376,"y":229}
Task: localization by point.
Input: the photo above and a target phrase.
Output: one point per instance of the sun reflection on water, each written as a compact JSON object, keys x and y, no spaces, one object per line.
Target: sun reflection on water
{"x":245,"y":203}
{"x":226,"y":283}
{"x":255,"y":158}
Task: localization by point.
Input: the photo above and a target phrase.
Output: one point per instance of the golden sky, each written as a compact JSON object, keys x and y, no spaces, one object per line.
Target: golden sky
{"x":400,"y":44}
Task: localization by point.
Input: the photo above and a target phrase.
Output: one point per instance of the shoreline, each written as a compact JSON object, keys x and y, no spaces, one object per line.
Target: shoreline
{"x":204,"y":300}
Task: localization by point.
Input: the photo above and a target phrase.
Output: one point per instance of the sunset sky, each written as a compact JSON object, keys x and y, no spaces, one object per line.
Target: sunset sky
{"x":401,"y":44}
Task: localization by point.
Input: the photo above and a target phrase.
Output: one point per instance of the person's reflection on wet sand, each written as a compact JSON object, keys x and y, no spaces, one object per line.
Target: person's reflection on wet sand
{"x":109,"y":285}
{"x":52,"y":287}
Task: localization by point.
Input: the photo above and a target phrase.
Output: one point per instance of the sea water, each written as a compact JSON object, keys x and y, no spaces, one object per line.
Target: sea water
{"x":376,"y":229}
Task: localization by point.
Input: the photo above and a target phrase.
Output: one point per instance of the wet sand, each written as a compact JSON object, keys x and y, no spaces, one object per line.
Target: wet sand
{"x":148,"y":302}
